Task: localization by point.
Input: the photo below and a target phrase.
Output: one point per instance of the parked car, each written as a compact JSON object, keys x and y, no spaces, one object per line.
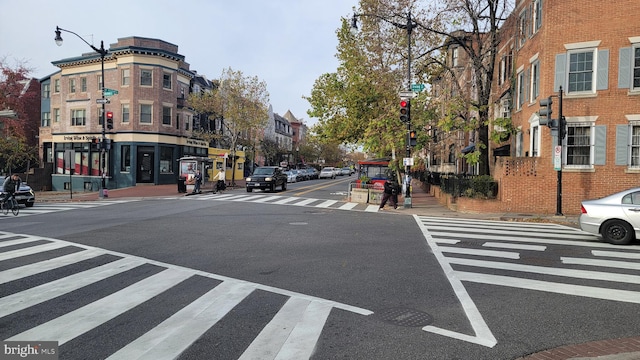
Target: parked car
{"x":302,"y":175}
{"x":346,"y":171}
{"x":615,"y":217}
{"x":24,"y":195}
{"x":327,"y":173}
{"x":267,"y":178}
{"x":313,"y":173}
{"x":291,"y":176}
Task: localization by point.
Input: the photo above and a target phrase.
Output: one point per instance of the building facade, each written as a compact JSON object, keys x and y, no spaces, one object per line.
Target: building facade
{"x":594,"y":56}
{"x":151,"y":129}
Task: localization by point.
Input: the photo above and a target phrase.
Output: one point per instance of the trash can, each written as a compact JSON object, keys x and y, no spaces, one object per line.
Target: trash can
{"x":182,"y":186}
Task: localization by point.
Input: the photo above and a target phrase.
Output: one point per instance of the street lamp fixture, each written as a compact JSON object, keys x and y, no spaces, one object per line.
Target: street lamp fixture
{"x":409,"y":26}
{"x":103,"y":52}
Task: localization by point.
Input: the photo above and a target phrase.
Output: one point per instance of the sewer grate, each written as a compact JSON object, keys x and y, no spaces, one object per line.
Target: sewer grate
{"x":404,"y":317}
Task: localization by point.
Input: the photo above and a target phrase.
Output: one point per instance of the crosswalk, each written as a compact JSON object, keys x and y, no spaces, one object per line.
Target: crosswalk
{"x":540,"y":257}
{"x":519,"y":250}
{"x":285,"y":200}
{"x":49,"y":207}
{"x":49,"y":304}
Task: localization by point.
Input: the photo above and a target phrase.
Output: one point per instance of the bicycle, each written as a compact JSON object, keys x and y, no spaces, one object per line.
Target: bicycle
{"x":12,"y":204}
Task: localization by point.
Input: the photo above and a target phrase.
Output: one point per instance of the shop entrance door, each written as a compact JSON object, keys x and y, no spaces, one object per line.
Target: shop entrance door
{"x":145,"y":165}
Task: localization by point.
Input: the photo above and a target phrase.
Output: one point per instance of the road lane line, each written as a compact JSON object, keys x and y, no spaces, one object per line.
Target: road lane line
{"x":305,"y":335}
{"x":31,"y":250}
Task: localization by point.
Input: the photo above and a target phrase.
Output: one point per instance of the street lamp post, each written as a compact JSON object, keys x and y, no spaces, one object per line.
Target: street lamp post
{"x":409,"y":26}
{"x":103,"y":143}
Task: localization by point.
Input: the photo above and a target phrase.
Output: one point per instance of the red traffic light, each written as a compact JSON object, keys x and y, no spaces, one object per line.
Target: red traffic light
{"x":403,"y":103}
{"x":109,"y":115}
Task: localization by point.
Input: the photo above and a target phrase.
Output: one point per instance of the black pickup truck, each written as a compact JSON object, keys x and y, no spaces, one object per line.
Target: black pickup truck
{"x":267,"y":177}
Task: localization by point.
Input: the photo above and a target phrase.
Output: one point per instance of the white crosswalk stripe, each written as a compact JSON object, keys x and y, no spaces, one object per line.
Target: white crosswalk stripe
{"x":292,"y":333}
{"x":481,"y":247}
{"x":50,"y":207}
{"x":284,"y":200}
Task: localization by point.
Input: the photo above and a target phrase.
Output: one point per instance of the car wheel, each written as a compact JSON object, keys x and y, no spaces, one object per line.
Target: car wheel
{"x":249,"y":190}
{"x":29,"y":204}
{"x":617,"y":232}
{"x":272,"y":187}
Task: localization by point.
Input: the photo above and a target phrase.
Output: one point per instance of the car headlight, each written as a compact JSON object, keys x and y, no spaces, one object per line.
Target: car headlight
{"x":268,"y":179}
{"x":32,"y":193}
{"x":248,"y":179}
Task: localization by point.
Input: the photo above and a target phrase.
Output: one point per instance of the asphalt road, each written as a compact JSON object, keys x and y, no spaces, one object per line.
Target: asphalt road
{"x":270,"y":276}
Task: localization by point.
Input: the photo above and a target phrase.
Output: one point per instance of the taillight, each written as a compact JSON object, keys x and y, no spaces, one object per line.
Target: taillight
{"x":582,"y":209}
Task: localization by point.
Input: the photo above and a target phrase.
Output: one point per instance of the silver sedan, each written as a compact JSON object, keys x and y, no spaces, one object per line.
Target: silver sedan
{"x":615,"y":217}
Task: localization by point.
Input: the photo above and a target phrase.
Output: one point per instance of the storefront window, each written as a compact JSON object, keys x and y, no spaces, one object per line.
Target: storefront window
{"x":166,"y":159}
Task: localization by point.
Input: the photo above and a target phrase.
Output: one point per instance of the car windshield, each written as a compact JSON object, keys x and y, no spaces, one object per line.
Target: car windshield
{"x":327,"y":169}
{"x":263,"y":171}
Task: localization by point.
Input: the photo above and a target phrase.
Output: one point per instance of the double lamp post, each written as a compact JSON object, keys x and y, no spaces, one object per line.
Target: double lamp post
{"x":409,"y":26}
{"x":103,"y":141}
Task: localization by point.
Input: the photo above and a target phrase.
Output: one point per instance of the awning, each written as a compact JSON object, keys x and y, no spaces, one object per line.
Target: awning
{"x":471,"y":147}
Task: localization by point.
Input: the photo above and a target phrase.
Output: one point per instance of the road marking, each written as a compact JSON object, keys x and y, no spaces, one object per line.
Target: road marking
{"x":348,"y":206}
{"x":77,"y":322}
{"x":285,"y":334}
{"x":174,"y":335}
{"x":483,"y":335}
{"x":327,"y":203}
{"x":44,"y":292}
{"x":502,"y":254}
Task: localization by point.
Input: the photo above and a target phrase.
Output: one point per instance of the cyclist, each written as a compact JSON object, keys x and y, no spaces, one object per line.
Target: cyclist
{"x":10,"y":186}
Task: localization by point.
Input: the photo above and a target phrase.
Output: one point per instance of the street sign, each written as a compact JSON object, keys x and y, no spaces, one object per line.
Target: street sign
{"x":102,"y":101}
{"x":557,"y":158}
{"x":407,"y":94}
{"x":417,"y":87}
{"x":109,"y":92}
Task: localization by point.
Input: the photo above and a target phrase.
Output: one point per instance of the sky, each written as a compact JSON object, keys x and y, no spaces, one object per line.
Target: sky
{"x":287,"y":44}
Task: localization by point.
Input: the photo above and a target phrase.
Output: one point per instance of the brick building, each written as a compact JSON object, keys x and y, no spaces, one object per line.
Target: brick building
{"x":151,"y":124}
{"x":594,"y":55}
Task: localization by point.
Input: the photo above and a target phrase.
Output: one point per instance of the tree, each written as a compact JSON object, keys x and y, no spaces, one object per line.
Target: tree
{"x":474,"y":27}
{"x":358,"y":104}
{"x":20,"y":103}
{"x":240,"y":102}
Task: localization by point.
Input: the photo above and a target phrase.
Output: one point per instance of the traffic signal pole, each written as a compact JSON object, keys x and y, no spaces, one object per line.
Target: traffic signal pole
{"x":561,"y":130}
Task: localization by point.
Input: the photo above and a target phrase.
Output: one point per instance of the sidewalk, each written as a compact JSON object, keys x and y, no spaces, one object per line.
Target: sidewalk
{"x":424,"y":204}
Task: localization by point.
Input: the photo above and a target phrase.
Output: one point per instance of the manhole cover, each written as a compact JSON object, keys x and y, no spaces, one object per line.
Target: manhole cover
{"x":404,"y":317}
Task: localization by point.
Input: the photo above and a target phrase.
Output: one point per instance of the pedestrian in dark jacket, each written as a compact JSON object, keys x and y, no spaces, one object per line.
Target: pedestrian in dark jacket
{"x":198,"y":178}
{"x":10,"y":186}
{"x":390,"y":194}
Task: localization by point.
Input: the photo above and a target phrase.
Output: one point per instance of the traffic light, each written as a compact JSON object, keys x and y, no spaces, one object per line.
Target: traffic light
{"x":109,"y":120}
{"x":412,"y":138}
{"x":545,"y":112}
{"x":405,"y":107}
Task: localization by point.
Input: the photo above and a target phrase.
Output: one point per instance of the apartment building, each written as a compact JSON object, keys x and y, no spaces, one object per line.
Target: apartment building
{"x":594,"y":56}
{"x":151,"y":128}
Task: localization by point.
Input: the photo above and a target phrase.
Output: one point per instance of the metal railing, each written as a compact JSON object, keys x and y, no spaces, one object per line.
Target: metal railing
{"x":459,"y":185}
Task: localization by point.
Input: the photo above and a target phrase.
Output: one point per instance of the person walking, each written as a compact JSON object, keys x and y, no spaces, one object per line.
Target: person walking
{"x":390,"y":194}
{"x":198,"y":182}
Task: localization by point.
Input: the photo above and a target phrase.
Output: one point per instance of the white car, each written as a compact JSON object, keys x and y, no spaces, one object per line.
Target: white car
{"x":291,"y":176}
{"x":327,"y":173}
{"x":615,"y":217}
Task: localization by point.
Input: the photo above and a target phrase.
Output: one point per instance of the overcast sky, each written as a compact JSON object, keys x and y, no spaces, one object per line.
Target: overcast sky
{"x":286,"y":43}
